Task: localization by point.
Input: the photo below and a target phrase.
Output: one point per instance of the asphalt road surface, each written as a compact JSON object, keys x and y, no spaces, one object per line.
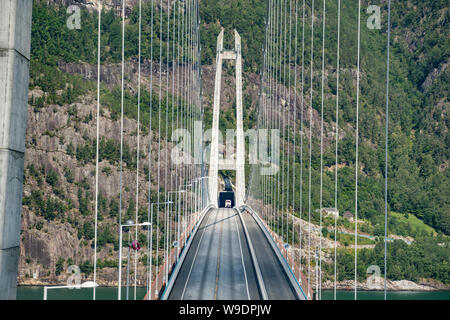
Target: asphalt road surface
{"x":275,"y":280}
{"x":218,"y":265}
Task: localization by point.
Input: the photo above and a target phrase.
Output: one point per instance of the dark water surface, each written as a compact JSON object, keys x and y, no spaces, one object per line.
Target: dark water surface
{"x":379,"y":295}
{"x":104,"y":293}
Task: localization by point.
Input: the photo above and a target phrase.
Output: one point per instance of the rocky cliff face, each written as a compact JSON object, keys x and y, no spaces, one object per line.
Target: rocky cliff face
{"x":115,"y":5}
{"x":377,"y":283}
{"x":45,"y":240}
{"x":58,"y":212}
{"x":60,"y":172}
{"x":57,"y":135}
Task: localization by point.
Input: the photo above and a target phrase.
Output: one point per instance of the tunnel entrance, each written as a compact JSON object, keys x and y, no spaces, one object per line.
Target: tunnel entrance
{"x":226,"y":195}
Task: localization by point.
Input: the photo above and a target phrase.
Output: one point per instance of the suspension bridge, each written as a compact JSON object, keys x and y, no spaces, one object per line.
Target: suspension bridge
{"x":196,"y":249}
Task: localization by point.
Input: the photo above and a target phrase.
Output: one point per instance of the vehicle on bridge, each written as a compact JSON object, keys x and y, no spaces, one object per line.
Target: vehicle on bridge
{"x":226,"y":196}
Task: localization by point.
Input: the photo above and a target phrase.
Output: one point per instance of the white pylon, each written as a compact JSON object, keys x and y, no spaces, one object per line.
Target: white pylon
{"x":222,"y":54}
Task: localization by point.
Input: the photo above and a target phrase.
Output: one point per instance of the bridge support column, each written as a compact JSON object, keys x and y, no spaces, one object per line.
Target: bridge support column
{"x":15,"y":33}
{"x":214,"y":156}
{"x":240,"y":143}
{"x":239,"y":163}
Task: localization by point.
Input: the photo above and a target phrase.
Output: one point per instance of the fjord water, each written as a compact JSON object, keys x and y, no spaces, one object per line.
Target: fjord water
{"x":379,"y":295}
{"x":104,"y":293}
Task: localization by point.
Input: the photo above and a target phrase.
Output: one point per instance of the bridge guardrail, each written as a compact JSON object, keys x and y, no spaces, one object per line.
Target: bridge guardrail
{"x":176,"y":270}
{"x":293,"y":279}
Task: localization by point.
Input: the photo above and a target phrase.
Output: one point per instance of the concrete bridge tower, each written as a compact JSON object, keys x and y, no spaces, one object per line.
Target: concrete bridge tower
{"x":239,"y":163}
{"x":15,"y":33}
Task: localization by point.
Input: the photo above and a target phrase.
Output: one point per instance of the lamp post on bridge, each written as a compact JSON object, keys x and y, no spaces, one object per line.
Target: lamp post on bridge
{"x":192,"y":184}
{"x":178,"y":219}
{"x":128,"y":224}
{"x":177,"y":244}
{"x":185,"y":191}
{"x":87,"y":284}
{"x":159,"y":203}
{"x":316,"y":293}
{"x":202,"y":205}
{"x":197,"y":192}
{"x":189,"y":216}
{"x":150,"y":249}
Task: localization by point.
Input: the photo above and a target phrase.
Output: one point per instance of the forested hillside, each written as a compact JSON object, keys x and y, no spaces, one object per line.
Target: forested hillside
{"x":420,"y":141}
{"x":60,"y":134}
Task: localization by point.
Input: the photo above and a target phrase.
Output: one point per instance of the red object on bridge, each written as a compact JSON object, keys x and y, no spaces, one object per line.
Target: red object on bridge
{"x":135,"y":245}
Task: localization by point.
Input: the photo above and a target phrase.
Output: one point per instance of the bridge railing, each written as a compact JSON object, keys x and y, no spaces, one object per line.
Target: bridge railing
{"x":159,"y":282}
{"x":289,"y":255}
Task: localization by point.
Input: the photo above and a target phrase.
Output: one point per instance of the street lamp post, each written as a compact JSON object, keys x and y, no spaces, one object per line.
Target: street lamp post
{"x":193,"y":196}
{"x":189,"y":214}
{"x":194,"y":183}
{"x":128,"y":266}
{"x":168,"y":238}
{"x":195,"y":203}
{"x":201,"y":200}
{"x":129,"y":223}
{"x":178,"y":219}
{"x":87,"y":284}
{"x":150,"y":249}
{"x":316,"y":293}
{"x":159,"y":203}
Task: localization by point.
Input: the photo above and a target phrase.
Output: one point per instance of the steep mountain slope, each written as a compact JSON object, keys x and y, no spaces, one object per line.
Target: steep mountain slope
{"x":58,"y":193}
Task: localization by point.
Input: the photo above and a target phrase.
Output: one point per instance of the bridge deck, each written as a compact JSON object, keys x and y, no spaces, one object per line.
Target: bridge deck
{"x":275,"y":279}
{"x":218,"y":265}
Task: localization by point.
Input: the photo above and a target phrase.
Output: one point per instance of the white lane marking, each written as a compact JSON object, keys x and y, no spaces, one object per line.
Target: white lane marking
{"x":242,"y":257}
{"x":195,"y":256}
{"x":216,"y":288}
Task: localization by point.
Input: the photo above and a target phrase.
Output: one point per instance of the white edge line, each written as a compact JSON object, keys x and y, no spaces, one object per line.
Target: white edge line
{"x":242,"y":257}
{"x":259,"y":277}
{"x":296,"y":285}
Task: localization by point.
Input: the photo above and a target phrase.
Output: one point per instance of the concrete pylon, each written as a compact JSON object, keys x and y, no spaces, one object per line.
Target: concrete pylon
{"x":214,"y":153}
{"x":15,"y":33}
{"x":239,"y":165}
{"x":240,"y":143}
